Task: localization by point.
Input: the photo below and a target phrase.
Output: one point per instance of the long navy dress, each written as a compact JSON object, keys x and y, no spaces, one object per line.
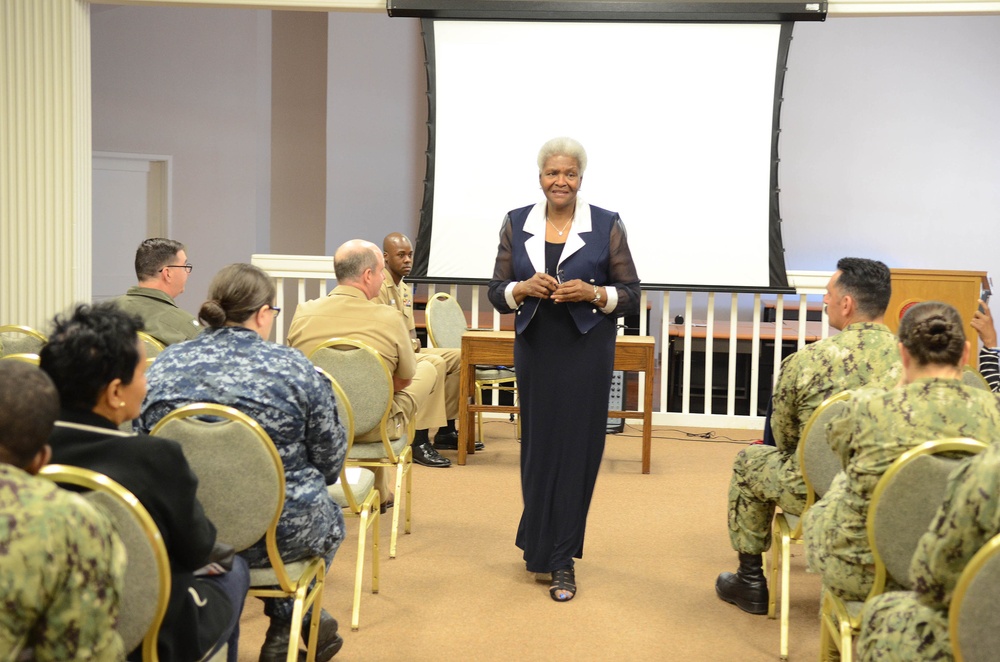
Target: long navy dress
{"x":563,"y":379}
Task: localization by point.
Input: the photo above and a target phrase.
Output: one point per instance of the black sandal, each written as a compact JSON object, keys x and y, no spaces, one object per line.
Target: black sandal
{"x":563,"y":580}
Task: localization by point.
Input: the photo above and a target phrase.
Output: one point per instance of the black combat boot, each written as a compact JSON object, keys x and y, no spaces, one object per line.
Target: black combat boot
{"x":275,"y":648}
{"x":747,"y":589}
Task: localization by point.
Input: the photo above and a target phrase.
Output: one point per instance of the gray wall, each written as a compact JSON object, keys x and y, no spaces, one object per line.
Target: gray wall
{"x":890,"y":146}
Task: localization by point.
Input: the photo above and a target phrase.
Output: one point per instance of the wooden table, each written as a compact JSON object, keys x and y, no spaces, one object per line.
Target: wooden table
{"x":632,"y":353}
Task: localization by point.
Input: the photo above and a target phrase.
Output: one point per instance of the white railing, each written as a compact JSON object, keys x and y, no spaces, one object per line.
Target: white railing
{"x":687,"y":351}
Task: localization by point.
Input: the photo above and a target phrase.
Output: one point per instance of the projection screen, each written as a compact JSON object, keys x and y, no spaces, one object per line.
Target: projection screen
{"x":679,"y":121}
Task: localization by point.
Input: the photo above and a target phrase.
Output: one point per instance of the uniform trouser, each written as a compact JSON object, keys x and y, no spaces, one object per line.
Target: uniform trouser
{"x":763,"y":477}
{"x":452,"y":376}
{"x":897,"y":626}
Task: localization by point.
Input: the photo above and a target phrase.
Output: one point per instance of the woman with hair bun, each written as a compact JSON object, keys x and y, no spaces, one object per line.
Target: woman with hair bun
{"x":232,"y":363}
{"x":931,"y":403}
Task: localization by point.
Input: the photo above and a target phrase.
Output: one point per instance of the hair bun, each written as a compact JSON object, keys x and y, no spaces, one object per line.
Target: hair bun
{"x":212,"y":313}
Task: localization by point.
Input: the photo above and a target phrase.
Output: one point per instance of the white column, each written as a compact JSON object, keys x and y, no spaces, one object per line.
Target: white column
{"x":45,"y":158}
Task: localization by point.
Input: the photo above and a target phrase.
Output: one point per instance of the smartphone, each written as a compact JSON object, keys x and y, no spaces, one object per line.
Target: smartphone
{"x":985,"y":296}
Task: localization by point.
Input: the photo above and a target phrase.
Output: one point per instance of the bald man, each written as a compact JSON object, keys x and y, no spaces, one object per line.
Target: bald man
{"x":349,"y":312}
{"x":397,"y":251}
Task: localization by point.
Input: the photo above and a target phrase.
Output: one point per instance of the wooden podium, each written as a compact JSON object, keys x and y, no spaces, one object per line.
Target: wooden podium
{"x":961,"y":289}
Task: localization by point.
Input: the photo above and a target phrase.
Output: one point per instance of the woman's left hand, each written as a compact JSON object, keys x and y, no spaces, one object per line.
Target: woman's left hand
{"x":573,"y":290}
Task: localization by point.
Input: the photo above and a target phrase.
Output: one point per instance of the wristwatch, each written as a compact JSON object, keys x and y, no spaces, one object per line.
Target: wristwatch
{"x":597,"y":296}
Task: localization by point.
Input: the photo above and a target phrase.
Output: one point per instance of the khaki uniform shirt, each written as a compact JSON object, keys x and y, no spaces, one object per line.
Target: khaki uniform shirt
{"x":347,"y":313}
{"x":163,"y":319}
{"x":399,"y":296}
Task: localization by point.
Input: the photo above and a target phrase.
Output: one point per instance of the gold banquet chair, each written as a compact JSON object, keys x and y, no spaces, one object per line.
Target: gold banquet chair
{"x":972,"y":616}
{"x":241,"y":485}
{"x":445,"y":326}
{"x":367,"y":382}
{"x":18,"y":339}
{"x":147,"y":574}
{"x":819,"y":464}
{"x":974,"y":378}
{"x":356,"y":495}
{"x":25,"y":357}
{"x":153,"y":346}
{"x":903,"y":505}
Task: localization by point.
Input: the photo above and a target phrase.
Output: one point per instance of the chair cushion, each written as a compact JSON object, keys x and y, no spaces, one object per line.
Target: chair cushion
{"x":260,"y":577}
{"x":370,"y":450}
{"x":362,"y":482}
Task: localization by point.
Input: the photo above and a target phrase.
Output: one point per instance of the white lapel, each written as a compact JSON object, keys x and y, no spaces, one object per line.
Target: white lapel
{"x":581,"y":223}
{"x":534,"y":245}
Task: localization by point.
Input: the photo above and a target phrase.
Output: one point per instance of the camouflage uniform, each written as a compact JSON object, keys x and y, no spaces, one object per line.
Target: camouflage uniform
{"x":61,"y":573}
{"x":163,"y":319}
{"x":280,"y":389}
{"x":913,"y":625}
{"x":765,"y":476}
{"x":870,"y":437}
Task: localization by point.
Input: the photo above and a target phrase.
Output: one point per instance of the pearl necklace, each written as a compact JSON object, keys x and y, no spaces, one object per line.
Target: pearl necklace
{"x":558,"y":231}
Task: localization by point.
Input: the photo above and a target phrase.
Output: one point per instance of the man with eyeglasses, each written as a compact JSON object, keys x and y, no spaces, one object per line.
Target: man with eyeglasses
{"x":162,"y":269}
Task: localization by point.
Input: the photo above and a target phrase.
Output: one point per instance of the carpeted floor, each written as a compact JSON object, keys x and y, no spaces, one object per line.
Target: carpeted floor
{"x":458,"y":589}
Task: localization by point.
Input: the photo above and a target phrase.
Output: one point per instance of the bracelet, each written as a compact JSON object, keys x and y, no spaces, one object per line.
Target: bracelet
{"x":597,"y":296}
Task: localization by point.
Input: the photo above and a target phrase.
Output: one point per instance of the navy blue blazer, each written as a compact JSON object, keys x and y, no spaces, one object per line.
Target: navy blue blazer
{"x":596,"y":252}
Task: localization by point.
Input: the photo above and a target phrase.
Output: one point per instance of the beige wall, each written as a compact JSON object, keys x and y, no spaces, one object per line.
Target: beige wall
{"x":298,"y":132}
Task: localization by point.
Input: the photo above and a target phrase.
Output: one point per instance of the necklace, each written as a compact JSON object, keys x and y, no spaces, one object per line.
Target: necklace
{"x":558,"y":231}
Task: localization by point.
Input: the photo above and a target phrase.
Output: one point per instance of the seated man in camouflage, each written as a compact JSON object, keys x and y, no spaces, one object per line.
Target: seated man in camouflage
{"x":913,"y":625}
{"x":863,"y":353}
{"x":62,"y":566}
{"x":162,"y":269}
{"x":933,"y":403}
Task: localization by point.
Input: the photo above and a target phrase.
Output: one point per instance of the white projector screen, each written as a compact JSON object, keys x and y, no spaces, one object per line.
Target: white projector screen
{"x":678,"y":120}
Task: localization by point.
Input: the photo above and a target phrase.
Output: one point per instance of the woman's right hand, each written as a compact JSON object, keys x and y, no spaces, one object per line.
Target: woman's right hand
{"x":540,"y":286}
{"x":982,"y":322}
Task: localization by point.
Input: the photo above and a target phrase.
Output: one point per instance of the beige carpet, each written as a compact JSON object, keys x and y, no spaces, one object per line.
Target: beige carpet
{"x":458,"y":589}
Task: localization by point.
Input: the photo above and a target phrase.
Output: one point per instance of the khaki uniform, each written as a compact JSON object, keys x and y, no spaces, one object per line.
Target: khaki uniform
{"x":347,"y":313}
{"x":449,"y":359}
{"x":62,"y":570}
{"x":870,"y":436}
{"x":913,"y":625}
{"x":160,"y":315}
{"x":765,"y":476}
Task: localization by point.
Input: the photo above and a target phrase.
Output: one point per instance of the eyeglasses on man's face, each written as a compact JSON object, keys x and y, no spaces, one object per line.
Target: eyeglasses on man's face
{"x":185,"y":267}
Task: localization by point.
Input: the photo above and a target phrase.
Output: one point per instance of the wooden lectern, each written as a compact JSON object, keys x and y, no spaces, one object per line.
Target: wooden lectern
{"x":961,"y":289}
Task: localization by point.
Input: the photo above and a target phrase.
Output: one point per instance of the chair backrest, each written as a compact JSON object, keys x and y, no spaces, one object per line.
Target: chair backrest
{"x":445,"y":321}
{"x":241,"y":480}
{"x":974,"y":378}
{"x":153,"y":346}
{"x":346,"y":416}
{"x":817,"y":460}
{"x":147,"y":574}
{"x":975,"y":603}
{"x":18,"y":339}
{"x":905,"y":502}
{"x":33,"y":359}
{"x":362,"y":375}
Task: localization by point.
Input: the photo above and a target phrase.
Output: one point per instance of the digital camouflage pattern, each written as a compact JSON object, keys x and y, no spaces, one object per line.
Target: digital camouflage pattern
{"x":162,"y":318}
{"x":871,"y":435}
{"x":62,"y":568}
{"x":862,"y":354}
{"x":280,"y":389}
{"x":913,"y":625}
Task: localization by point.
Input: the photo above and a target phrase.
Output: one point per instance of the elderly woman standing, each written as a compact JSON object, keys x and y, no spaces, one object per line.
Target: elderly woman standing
{"x":232,"y":363}
{"x":565,"y":268}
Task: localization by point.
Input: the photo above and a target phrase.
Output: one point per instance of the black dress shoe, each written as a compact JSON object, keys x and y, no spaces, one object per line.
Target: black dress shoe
{"x":448,"y":441}
{"x":425,"y":455}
